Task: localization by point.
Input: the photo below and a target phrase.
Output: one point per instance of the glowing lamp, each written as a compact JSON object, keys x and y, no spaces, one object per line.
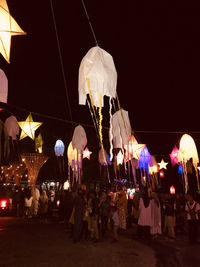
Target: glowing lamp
{"x":144,"y":158}
{"x":8,"y":28}
{"x":86,"y":153}
{"x":161,"y":173}
{"x":59,"y":148}
{"x":28,"y":127}
{"x":66,"y":185}
{"x":163,"y":165}
{"x":188,"y":149}
{"x":174,"y":156}
{"x":120,"y":158}
{"x":172,"y":190}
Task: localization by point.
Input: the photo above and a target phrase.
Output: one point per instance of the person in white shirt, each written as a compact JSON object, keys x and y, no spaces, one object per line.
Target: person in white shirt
{"x":193,"y":209}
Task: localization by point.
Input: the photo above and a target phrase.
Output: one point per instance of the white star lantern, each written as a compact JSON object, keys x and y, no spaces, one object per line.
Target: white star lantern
{"x":8,"y":28}
{"x":86,"y":153}
{"x":162,"y":165}
{"x":28,"y":127}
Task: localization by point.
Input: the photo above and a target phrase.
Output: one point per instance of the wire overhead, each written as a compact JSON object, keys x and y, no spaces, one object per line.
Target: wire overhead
{"x":61,"y":62}
{"x":90,"y":24}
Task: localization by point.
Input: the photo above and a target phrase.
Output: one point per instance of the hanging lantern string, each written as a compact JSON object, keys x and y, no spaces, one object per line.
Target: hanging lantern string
{"x":90,"y":24}
{"x":7,"y":106}
{"x":61,"y":62}
{"x":93,"y":119}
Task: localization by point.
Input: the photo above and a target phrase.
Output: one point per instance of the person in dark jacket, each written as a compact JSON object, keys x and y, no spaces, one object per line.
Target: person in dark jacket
{"x":79,"y":211}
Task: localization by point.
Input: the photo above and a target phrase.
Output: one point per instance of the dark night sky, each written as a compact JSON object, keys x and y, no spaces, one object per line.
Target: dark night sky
{"x":155,"y":47}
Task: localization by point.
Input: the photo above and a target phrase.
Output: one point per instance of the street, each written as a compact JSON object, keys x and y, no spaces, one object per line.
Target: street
{"x":32,"y":243}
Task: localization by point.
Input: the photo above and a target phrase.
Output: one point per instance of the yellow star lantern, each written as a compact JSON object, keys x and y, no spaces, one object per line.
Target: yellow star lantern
{"x":28,"y":127}
{"x":162,"y":165}
{"x":8,"y":28}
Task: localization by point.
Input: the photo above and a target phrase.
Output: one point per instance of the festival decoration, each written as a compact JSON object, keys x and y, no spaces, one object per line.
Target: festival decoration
{"x":172,"y":190}
{"x":120,"y":158}
{"x":8,"y":28}
{"x":79,"y":141}
{"x":33,"y":162}
{"x":121,"y":129}
{"x":7,"y":173}
{"x":66,"y":185}
{"x":144,"y":159}
{"x":134,"y":148}
{"x":104,"y":161}
{"x":28,"y":127}
{"x":97,"y":78}
{"x":161,"y":174}
{"x":86,"y":153}
{"x":144,"y":165}
{"x":59,"y":148}
{"x":12,"y":127}
{"x":163,"y":165}
{"x":174,"y":156}
{"x":3,"y":86}
{"x":103,"y":157}
{"x":187,"y":151}
{"x":19,"y":171}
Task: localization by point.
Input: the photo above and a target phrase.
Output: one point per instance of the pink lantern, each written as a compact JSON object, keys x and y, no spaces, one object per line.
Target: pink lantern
{"x":174,"y":156}
{"x":172,"y":190}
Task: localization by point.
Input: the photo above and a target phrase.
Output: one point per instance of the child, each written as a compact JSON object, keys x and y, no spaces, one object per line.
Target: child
{"x":115,"y":219}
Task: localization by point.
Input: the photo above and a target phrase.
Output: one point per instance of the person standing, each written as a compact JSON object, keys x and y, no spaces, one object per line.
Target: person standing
{"x":122,"y":209}
{"x":155,"y":228}
{"x":115,"y":219}
{"x":193,"y":209}
{"x":43,"y":208}
{"x":79,"y":211}
{"x":93,"y":206}
{"x":28,"y":199}
{"x":105,"y":209}
{"x":169,"y":215}
{"x":144,"y":220}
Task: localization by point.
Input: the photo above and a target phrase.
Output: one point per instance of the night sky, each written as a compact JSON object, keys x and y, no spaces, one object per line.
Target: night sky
{"x":155,"y":47}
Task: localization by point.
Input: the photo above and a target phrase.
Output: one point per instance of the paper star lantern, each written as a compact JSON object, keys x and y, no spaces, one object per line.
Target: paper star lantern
{"x":8,"y":28}
{"x":163,"y":164}
{"x":86,"y":153}
{"x":28,"y":127}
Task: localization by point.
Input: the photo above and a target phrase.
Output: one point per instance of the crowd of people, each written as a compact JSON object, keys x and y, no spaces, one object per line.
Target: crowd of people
{"x":29,"y":202}
{"x":93,"y":216}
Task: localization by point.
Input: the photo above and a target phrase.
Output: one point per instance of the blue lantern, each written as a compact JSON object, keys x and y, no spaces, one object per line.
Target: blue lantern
{"x":180,"y":169}
{"x":59,"y":148}
{"x":144,"y":158}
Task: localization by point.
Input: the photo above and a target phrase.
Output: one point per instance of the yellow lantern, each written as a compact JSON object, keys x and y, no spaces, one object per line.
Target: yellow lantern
{"x":8,"y":28}
{"x":28,"y":127}
{"x":66,"y":185}
{"x":187,"y":149}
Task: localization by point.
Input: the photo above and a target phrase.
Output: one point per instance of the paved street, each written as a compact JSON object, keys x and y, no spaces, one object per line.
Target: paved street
{"x":31,"y":243}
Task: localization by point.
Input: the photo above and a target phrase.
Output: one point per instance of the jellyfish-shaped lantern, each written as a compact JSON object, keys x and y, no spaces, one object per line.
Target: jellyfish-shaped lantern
{"x":59,"y":148}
